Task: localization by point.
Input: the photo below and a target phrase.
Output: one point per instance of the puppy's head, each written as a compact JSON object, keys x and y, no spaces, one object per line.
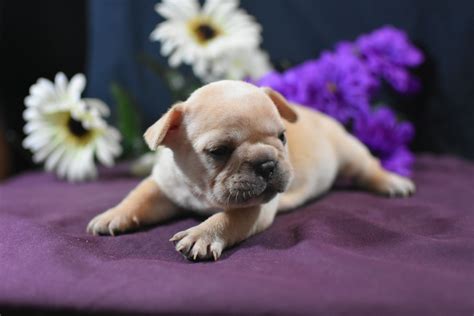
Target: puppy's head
{"x":229,"y":141}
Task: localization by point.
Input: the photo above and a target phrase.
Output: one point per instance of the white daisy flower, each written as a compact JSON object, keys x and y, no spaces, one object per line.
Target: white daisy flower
{"x":67,"y":132}
{"x":196,"y":35}
{"x":240,"y":64}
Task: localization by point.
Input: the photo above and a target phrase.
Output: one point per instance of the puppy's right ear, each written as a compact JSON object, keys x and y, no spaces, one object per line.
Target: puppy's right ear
{"x":168,"y":123}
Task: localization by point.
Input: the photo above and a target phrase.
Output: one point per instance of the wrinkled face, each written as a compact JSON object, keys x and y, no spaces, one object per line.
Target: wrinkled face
{"x":234,"y":147}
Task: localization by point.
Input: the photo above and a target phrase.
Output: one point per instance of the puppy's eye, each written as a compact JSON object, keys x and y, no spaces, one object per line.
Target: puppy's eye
{"x":220,"y":152}
{"x":282,"y":137}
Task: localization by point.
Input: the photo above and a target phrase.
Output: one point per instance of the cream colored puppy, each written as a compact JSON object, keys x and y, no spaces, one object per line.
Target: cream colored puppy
{"x":240,"y":154}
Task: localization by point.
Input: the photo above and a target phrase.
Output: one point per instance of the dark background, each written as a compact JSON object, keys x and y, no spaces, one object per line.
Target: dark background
{"x":103,"y":39}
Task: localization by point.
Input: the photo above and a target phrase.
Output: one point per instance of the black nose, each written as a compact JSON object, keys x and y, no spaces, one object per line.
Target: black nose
{"x":265,"y":168}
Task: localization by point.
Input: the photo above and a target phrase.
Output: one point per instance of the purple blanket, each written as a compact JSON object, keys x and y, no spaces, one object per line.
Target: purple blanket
{"x":349,"y":253}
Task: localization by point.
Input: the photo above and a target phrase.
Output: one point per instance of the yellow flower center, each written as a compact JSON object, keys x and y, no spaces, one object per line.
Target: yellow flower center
{"x":73,"y":130}
{"x":76,"y":128}
{"x":203,"y":30}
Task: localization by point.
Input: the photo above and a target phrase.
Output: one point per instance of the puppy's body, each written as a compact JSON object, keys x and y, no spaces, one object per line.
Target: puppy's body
{"x":315,"y":170}
{"x":225,"y":155}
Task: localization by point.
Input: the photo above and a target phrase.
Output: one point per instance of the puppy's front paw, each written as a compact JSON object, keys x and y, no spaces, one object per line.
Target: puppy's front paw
{"x":112,"y":222}
{"x":394,"y":185}
{"x":197,"y":243}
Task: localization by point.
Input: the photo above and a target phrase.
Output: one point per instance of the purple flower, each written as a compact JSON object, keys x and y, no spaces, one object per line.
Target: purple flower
{"x":342,"y":84}
{"x":388,"y":53}
{"x":386,"y":138}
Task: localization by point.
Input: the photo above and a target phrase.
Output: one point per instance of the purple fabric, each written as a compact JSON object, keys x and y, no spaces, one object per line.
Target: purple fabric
{"x":348,"y":253}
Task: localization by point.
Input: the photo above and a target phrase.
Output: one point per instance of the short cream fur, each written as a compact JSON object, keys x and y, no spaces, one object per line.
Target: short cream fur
{"x":240,"y":154}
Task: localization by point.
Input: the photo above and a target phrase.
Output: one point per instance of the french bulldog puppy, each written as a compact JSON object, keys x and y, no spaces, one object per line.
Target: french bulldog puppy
{"x":240,"y":154}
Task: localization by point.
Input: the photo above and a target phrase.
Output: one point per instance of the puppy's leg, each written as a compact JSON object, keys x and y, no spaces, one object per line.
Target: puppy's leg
{"x":208,"y":239}
{"x":357,"y":163}
{"x":144,"y":205}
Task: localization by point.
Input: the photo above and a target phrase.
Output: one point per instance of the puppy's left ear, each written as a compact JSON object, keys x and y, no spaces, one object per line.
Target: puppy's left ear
{"x":155,"y":135}
{"x":282,"y":105}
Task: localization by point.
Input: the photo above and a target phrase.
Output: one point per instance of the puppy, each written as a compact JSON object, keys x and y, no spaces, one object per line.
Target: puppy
{"x":239,"y":154}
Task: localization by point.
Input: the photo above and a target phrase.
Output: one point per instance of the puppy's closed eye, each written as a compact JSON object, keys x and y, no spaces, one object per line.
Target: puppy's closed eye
{"x":220,"y":152}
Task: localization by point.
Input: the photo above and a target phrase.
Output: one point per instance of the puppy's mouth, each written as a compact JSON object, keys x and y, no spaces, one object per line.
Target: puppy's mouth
{"x":253,"y":196}
{"x":249,"y":189}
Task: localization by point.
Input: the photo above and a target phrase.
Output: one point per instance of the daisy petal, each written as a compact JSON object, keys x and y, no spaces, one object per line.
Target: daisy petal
{"x":76,"y":86}
{"x":44,"y":151}
{"x":65,"y":161}
{"x":54,"y":158}
{"x":101,"y":107}
{"x":61,"y":82}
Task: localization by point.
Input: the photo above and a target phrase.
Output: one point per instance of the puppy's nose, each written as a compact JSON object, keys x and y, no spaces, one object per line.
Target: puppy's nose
{"x":265,"y":168}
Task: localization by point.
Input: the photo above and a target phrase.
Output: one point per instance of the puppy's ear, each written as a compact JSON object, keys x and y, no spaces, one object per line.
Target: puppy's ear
{"x":282,"y":105}
{"x":168,"y":123}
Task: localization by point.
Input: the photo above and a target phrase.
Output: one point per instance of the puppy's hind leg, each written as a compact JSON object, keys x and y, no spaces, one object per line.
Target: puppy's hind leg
{"x":357,"y":163}
{"x":144,"y":205}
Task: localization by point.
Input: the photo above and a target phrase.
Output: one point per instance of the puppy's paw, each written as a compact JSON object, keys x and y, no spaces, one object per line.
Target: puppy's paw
{"x":111,"y":222}
{"x":197,"y":243}
{"x":394,"y":185}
